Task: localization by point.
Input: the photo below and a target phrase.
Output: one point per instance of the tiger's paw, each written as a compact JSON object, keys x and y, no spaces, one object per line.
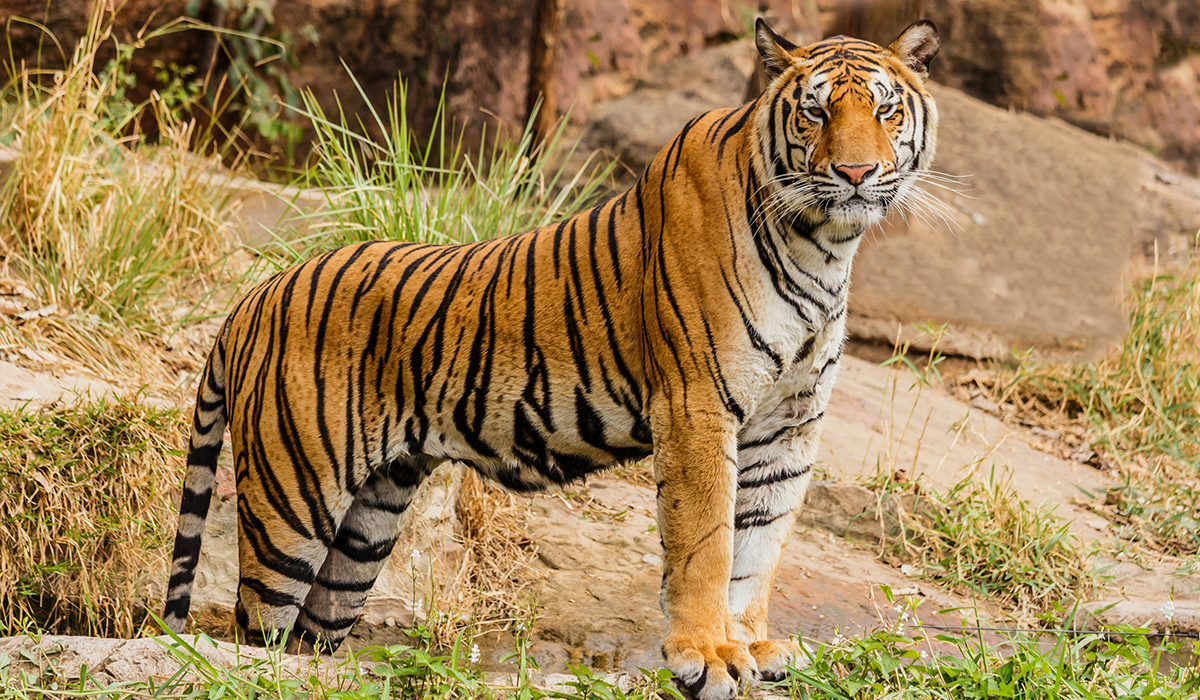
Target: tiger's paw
{"x":774,"y":656}
{"x":711,"y":672}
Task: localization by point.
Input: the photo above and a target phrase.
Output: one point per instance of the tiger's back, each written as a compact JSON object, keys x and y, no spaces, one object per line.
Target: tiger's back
{"x":447,"y":352}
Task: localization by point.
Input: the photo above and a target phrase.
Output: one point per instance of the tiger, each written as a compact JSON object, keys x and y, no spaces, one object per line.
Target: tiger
{"x":698,"y":317}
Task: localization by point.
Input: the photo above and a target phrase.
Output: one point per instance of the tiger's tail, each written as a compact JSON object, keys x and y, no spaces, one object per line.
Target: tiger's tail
{"x":208,"y":432}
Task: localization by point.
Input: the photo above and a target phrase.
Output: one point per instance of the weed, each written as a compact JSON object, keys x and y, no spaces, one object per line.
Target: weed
{"x":85,"y":512}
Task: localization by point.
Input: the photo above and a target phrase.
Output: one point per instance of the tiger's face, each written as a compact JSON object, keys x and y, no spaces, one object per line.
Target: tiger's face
{"x":848,"y":126}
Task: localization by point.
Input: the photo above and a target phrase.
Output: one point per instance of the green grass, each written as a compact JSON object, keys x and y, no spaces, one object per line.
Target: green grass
{"x":107,"y":228}
{"x":963,"y":667}
{"x":391,"y":187}
{"x":86,"y":513}
{"x":889,"y":664}
{"x":1139,"y":408}
{"x":983,"y":538}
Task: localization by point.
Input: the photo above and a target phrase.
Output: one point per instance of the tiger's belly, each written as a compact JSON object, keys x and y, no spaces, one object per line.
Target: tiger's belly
{"x":529,"y":442}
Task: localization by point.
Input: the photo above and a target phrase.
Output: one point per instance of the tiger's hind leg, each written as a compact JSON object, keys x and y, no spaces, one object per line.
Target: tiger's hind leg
{"x":772,"y":479}
{"x":362,"y":546}
{"x":279,"y":559}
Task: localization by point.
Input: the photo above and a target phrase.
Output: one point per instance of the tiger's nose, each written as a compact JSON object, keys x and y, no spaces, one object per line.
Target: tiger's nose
{"x":855,"y":174}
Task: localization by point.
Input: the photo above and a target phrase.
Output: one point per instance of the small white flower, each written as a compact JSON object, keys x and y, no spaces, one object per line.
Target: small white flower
{"x":414,"y":556}
{"x":899,"y":628}
{"x":1168,"y":610}
{"x":904,"y":617}
{"x":899,"y":609}
{"x":418,"y":607}
{"x":474,"y":653}
{"x":924,"y":655}
{"x":837,"y":640}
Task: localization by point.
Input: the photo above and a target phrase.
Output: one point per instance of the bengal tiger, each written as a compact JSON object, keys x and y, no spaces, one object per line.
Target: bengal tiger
{"x":699,"y":316}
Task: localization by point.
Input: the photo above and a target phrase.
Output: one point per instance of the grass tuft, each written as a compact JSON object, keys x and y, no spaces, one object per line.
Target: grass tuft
{"x":86,"y":513}
{"x":106,"y":229}
{"x":393,"y":188}
{"x":494,"y":588}
{"x":1137,"y":409}
{"x":986,"y":539}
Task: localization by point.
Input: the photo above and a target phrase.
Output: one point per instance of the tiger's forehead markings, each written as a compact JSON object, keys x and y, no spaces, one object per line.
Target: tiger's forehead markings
{"x":843,"y":77}
{"x":840,"y":66}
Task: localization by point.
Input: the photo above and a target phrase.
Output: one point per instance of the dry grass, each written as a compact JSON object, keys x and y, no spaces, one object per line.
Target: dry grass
{"x":106,"y":231}
{"x":494,"y":584}
{"x":1136,"y":410}
{"x":640,"y":473}
{"x":85,"y":513}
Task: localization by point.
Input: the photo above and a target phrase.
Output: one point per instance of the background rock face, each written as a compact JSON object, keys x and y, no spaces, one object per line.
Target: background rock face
{"x":1123,"y":67}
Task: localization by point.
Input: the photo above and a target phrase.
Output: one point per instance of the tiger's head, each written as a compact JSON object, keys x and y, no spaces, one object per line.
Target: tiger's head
{"x":845,"y":126}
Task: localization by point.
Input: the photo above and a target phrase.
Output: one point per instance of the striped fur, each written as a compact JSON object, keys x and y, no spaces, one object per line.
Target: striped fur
{"x":699,"y":316}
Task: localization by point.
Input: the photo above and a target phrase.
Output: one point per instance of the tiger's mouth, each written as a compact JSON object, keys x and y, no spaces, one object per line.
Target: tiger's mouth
{"x":856,"y":209}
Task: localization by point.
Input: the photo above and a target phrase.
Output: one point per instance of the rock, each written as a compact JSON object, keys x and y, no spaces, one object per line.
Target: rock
{"x":1041,"y":267}
{"x":20,"y":387}
{"x":110,"y":661}
{"x":990,"y":48}
{"x":852,"y":511}
{"x":633,"y":128}
{"x":1115,"y":67}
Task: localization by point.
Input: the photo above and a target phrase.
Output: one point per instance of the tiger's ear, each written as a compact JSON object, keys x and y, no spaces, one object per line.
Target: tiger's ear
{"x":774,"y":49}
{"x":917,"y":45}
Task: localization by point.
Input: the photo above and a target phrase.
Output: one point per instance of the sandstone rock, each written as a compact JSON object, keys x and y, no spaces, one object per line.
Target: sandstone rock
{"x":1034,"y":250}
{"x":21,"y":387}
{"x":634,"y":127}
{"x":854,"y":512}
{"x":110,"y":661}
{"x":1115,"y":67}
{"x":989,"y":47}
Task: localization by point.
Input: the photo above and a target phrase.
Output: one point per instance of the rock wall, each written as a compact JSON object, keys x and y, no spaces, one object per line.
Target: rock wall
{"x":1127,"y":68}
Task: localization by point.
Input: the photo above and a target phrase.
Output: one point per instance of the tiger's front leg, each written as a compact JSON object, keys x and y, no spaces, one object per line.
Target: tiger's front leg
{"x":774,"y":469}
{"x":696,"y":472}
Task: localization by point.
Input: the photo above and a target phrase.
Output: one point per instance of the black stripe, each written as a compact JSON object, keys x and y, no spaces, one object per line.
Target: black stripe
{"x":773,"y":479}
{"x":756,"y":518}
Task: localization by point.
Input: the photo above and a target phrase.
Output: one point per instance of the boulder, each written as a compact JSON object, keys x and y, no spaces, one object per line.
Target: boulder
{"x":1031,"y":254}
{"x":57,"y":658}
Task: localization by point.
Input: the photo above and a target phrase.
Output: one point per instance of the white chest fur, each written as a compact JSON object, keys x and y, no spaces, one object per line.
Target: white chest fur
{"x":795,"y":389}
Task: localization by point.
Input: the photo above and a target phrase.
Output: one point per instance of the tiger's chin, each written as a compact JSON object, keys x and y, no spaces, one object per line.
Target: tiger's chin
{"x":855,"y":212}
